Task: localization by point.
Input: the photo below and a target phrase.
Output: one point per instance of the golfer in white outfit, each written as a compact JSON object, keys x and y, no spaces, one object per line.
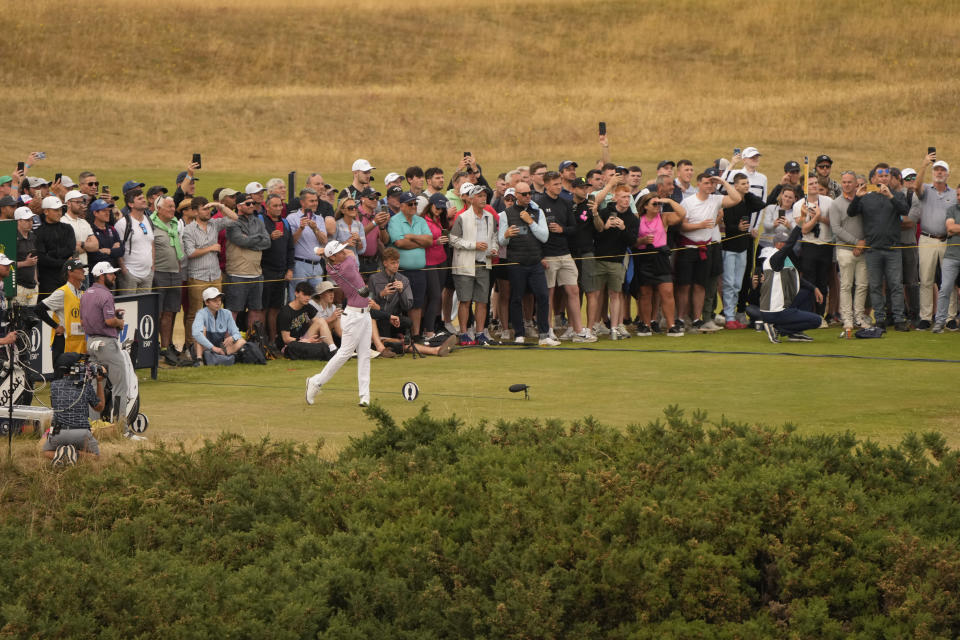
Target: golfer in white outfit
{"x":343,"y":269}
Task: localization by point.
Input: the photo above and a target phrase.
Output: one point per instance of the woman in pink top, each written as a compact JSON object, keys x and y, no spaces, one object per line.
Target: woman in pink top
{"x":653,"y":260}
{"x":436,"y":259}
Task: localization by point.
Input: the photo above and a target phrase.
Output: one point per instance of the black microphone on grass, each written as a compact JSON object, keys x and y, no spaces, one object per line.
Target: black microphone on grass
{"x":517,"y":388}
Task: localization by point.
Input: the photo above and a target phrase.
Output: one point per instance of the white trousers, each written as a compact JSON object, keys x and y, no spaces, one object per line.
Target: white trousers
{"x":357,"y":330}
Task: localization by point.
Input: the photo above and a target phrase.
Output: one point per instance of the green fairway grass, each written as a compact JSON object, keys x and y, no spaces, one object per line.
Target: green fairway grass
{"x":872,"y":394}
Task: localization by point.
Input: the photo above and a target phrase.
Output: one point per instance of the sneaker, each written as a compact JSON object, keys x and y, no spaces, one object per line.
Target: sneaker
{"x":584,"y":336}
{"x":506,"y":335}
{"x":623,"y":331}
{"x":465,"y":340}
{"x":488,"y":337}
{"x":600,"y":329}
{"x":518,"y":340}
{"x":676,"y":331}
{"x":482,"y":339}
{"x":615,"y":335}
{"x":741,"y":318}
{"x":374,"y":354}
{"x":172,"y":356}
{"x":734,"y":324}
{"x":719,"y":320}
{"x":799,"y":337}
{"x":655,"y":327}
{"x":60,"y":457}
{"x":823,"y":324}
{"x":643,"y":330}
{"x":547,"y":341}
{"x":709,"y":327}
{"x":449,"y":328}
{"x":186,"y":356}
{"x":313,"y":390}
{"x":444,"y":348}
{"x":902,"y":326}
{"x":552,"y":334}
{"x":937,"y":327}
{"x":952,"y":325}
{"x":696,"y":326}
{"x":923,"y":325}
{"x":771,"y":333}
{"x":568,"y":334}
{"x":530,"y":330}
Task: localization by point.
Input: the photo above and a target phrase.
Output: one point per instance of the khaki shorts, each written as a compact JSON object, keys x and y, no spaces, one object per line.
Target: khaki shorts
{"x":561,"y":270}
{"x":475,"y":288}
{"x":588,"y":273}
{"x":610,"y":274}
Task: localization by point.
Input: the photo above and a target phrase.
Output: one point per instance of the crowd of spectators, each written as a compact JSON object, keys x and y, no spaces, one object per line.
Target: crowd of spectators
{"x":520,"y":257}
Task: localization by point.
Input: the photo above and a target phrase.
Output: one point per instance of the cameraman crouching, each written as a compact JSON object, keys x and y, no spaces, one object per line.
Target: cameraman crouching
{"x":76,"y":388}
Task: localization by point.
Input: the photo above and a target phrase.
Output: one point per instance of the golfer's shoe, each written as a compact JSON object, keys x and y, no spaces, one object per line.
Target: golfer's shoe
{"x":799,"y":337}
{"x":364,"y":402}
{"x":313,"y":390}
{"x":771,"y":332}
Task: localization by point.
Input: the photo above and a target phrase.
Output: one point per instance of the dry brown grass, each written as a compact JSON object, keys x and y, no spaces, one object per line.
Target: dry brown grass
{"x":270,"y":85}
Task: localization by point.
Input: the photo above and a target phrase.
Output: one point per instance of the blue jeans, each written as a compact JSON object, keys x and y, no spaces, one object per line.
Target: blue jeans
{"x":885,"y":264}
{"x":734,"y":264}
{"x":306,"y":271}
{"x":949,"y":268}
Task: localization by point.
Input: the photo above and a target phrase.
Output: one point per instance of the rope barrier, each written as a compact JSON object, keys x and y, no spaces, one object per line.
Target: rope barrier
{"x":548,"y":259}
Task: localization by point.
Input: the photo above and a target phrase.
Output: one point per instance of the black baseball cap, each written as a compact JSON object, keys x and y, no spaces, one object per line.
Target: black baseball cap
{"x":579,"y":182}
{"x":824,"y":158}
{"x":664,"y":163}
{"x":394,"y":191}
{"x":369,"y":193}
{"x":791,"y":166}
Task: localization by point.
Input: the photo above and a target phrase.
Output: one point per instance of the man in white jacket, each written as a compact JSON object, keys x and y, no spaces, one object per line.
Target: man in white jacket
{"x":474,"y":241}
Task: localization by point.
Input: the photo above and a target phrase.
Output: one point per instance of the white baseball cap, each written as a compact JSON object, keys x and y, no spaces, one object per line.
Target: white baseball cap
{"x":941,"y":164}
{"x":906,"y":173}
{"x":51,"y":202}
{"x":23,"y":213}
{"x":750,"y":152}
{"x":254,"y":187}
{"x":210,"y":293}
{"x":4,"y":260}
{"x":465,"y":188}
{"x":72,"y":195}
{"x":333,"y":247}
{"x":103,"y":267}
{"x":67,"y":182}
{"x":391,"y":177}
{"x":361,"y":165}
{"x":510,"y":192}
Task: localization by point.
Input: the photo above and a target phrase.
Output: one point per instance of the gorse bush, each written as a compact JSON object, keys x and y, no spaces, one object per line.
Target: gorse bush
{"x":680,"y":529}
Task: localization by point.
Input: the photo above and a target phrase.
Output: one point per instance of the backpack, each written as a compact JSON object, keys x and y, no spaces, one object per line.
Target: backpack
{"x":251,"y":353}
{"x":212,"y":359}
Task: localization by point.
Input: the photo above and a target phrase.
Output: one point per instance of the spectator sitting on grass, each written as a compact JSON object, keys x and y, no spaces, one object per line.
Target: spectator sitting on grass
{"x":215,"y":332}
{"x":301,"y":333}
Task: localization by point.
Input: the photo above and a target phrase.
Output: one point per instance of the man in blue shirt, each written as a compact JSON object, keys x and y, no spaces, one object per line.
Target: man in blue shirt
{"x":410,"y":235}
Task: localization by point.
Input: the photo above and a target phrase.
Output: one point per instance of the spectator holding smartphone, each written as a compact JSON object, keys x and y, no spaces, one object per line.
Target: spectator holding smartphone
{"x":26,"y":258}
{"x":276,"y":262}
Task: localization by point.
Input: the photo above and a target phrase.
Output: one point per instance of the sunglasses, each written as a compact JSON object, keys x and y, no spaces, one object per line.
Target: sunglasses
{"x":523,"y":193}
{"x":91,"y":184}
{"x":824,"y":166}
{"x":352,"y":207}
{"x":143,"y":227}
{"x":883,"y":172}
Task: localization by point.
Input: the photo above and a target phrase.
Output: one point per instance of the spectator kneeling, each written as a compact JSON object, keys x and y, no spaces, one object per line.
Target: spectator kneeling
{"x":215,"y":331}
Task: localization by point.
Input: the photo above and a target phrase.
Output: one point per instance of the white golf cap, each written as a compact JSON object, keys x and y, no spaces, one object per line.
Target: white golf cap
{"x":23,"y":213}
{"x":68,"y":182}
{"x":35,"y":182}
{"x":51,"y":202}
{"x":72,"y":195}
{"x":254,"y":187}
{"x":392,"y":177}
{"x":510,"y":192}
{"x":103,"y":267}
{"x":361,"y":165}
{"x":226,"y":193}
{"x":4,"y":260}
{"x":333,"y":247}
{"x":941,"y":164}
{"x":906,"y":173}
{"x":465,"y":188}
{"x":750,"y":152}
{"x":210,"y":293}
